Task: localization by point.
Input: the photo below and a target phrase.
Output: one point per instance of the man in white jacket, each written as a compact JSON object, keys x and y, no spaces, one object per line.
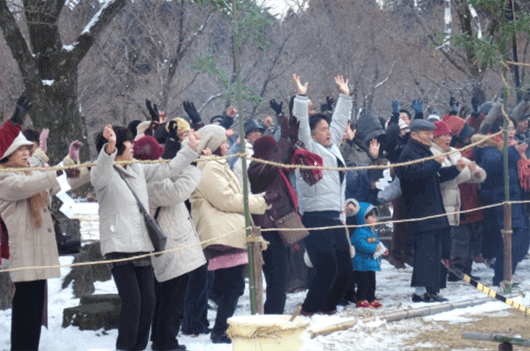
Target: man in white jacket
{"x":321,"y":204}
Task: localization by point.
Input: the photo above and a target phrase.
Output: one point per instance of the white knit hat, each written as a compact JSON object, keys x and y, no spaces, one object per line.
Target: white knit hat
{"x":212,"y":136}
{"x":19,"y":141}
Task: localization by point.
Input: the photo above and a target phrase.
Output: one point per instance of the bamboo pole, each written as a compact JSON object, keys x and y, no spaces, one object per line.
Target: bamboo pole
{"x":507,"y":230}
{"x":496,"y":338}
{"x":258,"y":270}
{"x":251,"y":280}
{"x":399,"y":315}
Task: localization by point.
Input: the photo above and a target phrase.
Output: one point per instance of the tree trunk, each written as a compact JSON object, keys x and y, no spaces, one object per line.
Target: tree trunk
{"x":49,"y":69}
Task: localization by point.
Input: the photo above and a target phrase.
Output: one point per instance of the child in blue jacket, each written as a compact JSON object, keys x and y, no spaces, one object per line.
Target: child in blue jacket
{"x":367,"y":259}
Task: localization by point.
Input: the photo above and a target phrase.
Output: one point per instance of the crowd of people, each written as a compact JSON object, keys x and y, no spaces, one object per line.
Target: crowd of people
{"x":196,"y":196}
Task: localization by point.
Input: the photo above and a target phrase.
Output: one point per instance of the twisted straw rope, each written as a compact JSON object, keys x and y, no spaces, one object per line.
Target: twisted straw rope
{"x":280,"y":165}
{"x":252,"y":239}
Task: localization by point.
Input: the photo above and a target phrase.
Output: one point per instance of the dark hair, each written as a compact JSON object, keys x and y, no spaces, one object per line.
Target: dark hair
{"x":122,"y":135}
{"x":32,"y":135}
{"x":372,"y":212}
{"x":405,"y":111}
{"x":217,"y":152}
{"x":499,"y":124}
{"x":315,"y":119}
{"x":4,"y":160}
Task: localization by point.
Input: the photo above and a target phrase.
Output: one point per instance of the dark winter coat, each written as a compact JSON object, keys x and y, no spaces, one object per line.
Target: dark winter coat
{"x":420,"y":185}
{"x":267,"y":178}
{"x":489,"y":156}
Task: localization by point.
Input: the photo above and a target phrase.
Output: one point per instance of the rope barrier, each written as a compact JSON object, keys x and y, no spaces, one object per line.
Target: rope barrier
{"x":277,"y":164}
{"x":252,"y":239}
{"x":6,"y":270}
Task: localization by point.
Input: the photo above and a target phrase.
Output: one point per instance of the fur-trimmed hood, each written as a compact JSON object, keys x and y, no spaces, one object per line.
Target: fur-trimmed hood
{"x":491,"y":142}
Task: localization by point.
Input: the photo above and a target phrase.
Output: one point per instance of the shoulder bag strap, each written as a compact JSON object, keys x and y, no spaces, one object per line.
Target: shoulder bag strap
{"x":142,"y":208}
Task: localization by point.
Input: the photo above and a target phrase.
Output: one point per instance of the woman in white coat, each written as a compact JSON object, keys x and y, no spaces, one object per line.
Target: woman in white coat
{"x":166,"y":200}
{"x":459,"y":255}
{"x":123,"y":232}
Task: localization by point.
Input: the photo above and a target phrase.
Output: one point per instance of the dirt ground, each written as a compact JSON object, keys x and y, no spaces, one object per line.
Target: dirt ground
{"x":447,"y":336}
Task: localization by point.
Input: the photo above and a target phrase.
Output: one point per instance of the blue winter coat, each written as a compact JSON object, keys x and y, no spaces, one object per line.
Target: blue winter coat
{"x":365,"y":242}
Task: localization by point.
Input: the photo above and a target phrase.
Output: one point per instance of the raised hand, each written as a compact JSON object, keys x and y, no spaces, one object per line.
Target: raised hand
{"x":42,"y":139}
{"x":172,"y":128}
{"x":395,"y":106}
{"x":343,"y":86}
{"x":300,"y":89}
{"x":454,"y":104}
{"x":374,"y":148}
{"x":276,"y":107}
{"x":153,"y":111}
{"x":294,"y":126}
{"x":73,"y":151}
{"x":190,"y":109}
{"x":194,"y":139}
{"x":108,"y":133}
{"x":417,"y":105}
{"x":330,"y":101}
{"x":23,"y":106}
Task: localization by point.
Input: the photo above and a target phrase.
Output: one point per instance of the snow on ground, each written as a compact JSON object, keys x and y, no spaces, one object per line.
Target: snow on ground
{"x":393,"y":290}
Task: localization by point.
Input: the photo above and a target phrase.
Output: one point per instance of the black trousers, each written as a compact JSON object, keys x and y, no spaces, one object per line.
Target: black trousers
{"x":428,"y":269}
{"x":195,"y":315}
{"x":365,"y":281}
{"x":136,"y":288}
{"x":26,"y":318}
{"x":275,"y":271}
{"x":230,"y":283}
{"x":168,"y":311}
{"x":329,"y":252}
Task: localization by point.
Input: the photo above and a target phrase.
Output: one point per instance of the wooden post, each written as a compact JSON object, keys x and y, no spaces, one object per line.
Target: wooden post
{"x":258,"y":269}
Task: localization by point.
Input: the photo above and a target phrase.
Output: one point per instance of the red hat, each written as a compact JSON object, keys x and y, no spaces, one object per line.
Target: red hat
{"x":441,"y":128}
{"x":147,"y":148}
{"x":263,"y":147}
{"x":307,"y":158}
{"x":455,"y":123}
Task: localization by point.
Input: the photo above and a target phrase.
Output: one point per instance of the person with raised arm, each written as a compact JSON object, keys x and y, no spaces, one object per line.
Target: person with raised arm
{"x":322,"y":203}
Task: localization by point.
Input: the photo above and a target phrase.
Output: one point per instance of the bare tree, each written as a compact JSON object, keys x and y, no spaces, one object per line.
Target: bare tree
{"x":49,"y":68}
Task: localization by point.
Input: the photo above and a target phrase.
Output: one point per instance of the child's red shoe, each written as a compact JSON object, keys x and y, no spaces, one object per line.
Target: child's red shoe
{"x":376,"y":304}
{"x":364,"y":304}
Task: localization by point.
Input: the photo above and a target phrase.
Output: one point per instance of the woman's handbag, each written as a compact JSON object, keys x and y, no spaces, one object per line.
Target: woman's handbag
{"x":157,"y":236}
{"x":291,"y":221}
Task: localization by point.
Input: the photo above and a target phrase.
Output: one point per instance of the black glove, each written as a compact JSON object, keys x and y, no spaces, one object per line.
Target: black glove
{"x":330,"y":101}
{"x":294,"y":125}
{"x":172,"y":129}
{"x":284,"y":128}
{"x":276,"y":107}
{"x":23,"y":106}
{"x":190,"y":109}
{"x":454,"y":106}
{"x":153,"y":111}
